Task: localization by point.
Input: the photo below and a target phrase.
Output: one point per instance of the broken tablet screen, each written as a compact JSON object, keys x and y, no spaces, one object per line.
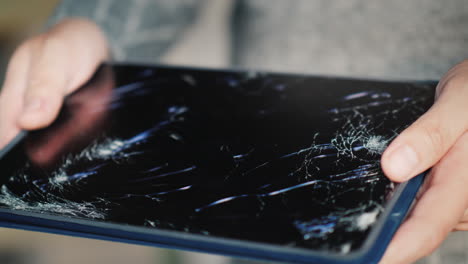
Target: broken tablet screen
{"x":287,"y":160}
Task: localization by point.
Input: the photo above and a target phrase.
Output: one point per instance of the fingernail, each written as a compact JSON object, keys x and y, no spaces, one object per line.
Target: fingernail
{"x":32,"y":105}
{"x":402,"y":162}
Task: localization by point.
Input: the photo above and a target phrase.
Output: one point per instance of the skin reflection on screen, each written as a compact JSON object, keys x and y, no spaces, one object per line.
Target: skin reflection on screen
{"x":286,"y":160}
{"x":85,"y":115}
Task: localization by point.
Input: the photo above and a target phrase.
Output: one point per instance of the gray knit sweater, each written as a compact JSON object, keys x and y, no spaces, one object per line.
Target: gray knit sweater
{"x":417,"y":39}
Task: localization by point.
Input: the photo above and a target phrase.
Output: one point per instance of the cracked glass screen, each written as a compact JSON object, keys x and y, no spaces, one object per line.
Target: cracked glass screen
{"x":283,"y":159}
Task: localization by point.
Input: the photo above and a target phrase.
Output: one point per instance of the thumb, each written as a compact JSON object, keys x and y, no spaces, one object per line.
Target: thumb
{"x":426,"y":141}
{"x":63,"y":59}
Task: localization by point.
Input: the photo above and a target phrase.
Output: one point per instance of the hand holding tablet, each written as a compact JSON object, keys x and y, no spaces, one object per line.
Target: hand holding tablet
{"x":411,"y":242}
{"x":262,"y":165}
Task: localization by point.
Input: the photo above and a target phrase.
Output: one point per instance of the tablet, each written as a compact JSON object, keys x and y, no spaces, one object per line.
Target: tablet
{"x":258,"y":165}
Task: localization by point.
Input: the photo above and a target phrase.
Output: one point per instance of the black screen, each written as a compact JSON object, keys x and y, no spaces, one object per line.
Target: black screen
{"x":283,"y":159}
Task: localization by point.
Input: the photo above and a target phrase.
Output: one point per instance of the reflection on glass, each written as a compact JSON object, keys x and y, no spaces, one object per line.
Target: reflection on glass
{"x":288,"y":160}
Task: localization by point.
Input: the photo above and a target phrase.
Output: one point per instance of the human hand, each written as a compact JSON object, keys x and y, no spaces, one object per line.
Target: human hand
{"x":438,"y":139}
{"x":85,"y":115}
{"x":43,"y":70}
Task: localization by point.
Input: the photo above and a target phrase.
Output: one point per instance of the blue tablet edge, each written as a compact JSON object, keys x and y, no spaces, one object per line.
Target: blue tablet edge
{"x":371,"y":252}
{"x":394,"y":219}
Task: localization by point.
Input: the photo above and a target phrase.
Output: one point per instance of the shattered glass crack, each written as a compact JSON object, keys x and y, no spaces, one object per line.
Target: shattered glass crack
{"x":288,"y":160}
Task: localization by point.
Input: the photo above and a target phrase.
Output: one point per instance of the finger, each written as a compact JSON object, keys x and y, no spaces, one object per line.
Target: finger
{"x":47,"y":80}
{"x":64,"y":59}
{"x":11,"y":99}
{"x":461,"y":227}
{"x":455,"y":74}
{"x":437,"y":212}
{"x":463,"y":223}
{"x":87,"y":47}
{"x":465,"y":216}
{"x":426,"y":141}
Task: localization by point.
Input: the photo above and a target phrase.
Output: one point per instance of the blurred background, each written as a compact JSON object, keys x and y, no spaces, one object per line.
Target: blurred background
{"x":19,"y":19}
